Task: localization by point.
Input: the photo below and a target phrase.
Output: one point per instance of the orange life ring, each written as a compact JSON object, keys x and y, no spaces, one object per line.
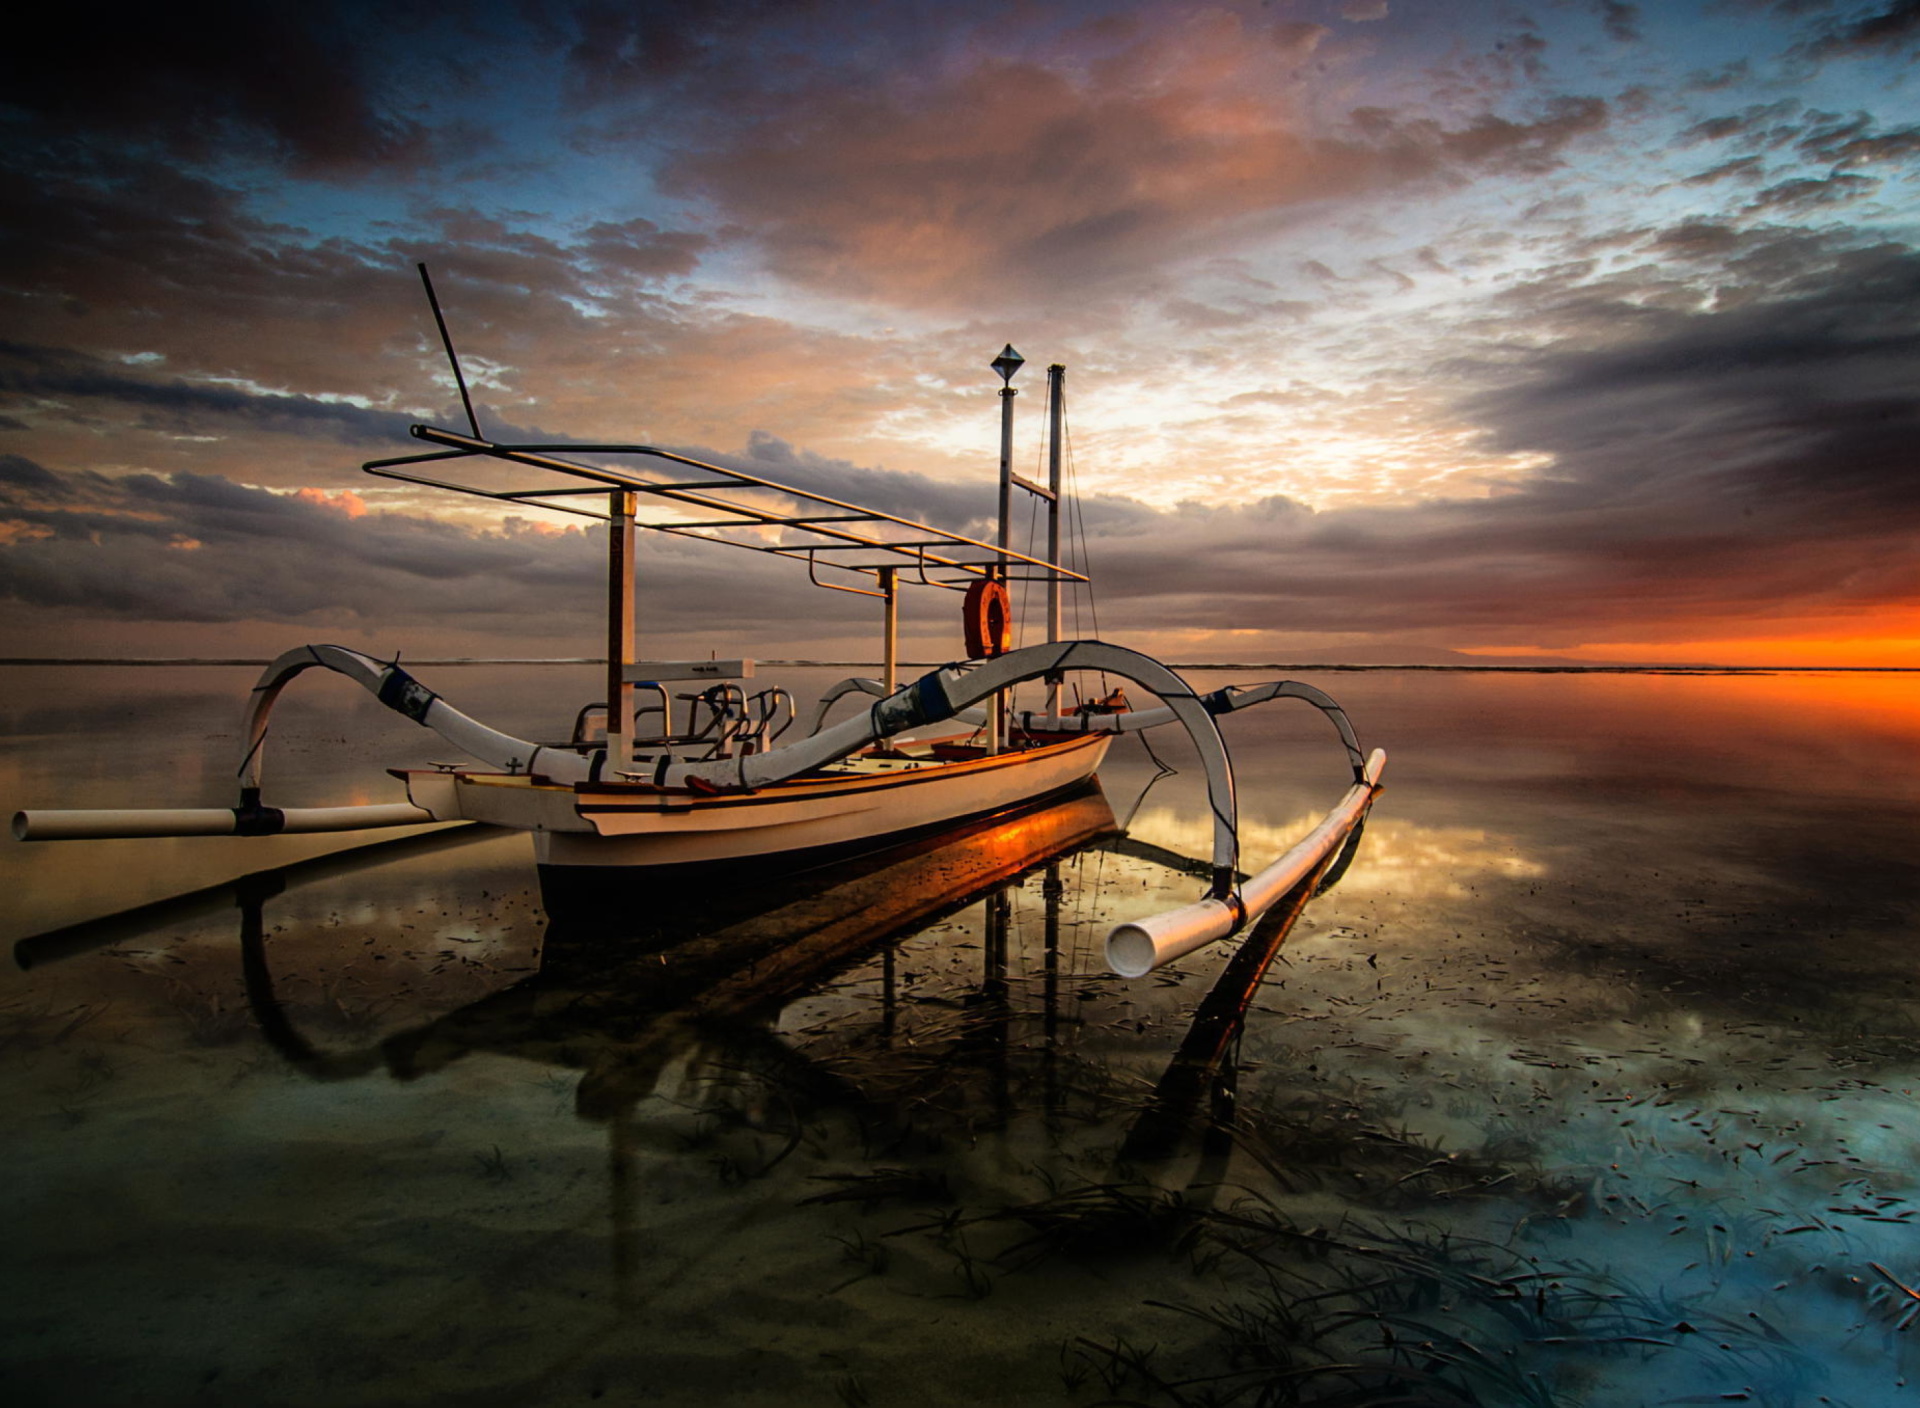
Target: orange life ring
{"x":988,"y":618}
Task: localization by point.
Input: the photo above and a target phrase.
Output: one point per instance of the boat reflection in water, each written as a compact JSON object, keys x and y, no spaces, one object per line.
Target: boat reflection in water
{"x":742,"y":1020}
{"x":642,"y":997}
{"x":625,"y":992}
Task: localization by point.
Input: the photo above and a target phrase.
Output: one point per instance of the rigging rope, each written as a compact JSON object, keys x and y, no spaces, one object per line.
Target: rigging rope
{"x":1165,"y":770}
{"x":1077,"y":533}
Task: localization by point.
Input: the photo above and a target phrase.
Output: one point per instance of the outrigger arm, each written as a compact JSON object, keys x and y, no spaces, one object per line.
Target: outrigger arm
{"x":933,"y":698}
{"x":1221,"y":701}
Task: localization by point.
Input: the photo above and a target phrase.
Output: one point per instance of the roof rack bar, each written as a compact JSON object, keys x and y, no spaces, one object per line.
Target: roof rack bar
{"x":386,"y":473}
{"x":803,"y":521}
{"x":536,"y":455}
{"x":919,"y":550}
{"x":844,"y":547}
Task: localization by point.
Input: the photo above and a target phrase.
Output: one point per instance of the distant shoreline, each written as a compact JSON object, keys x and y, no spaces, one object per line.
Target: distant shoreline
{"x":1297,"y":666}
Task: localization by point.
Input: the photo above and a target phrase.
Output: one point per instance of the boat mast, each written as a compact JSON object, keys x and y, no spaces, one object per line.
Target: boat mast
{"x":1056,"y":412}
{"x":1007,"y":363}
{"x":621,"y":505}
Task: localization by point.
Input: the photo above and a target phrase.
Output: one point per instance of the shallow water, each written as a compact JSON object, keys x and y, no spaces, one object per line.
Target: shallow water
{"x":1589,"y":1084}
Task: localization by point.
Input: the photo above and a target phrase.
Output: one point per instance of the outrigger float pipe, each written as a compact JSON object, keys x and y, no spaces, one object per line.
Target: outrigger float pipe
{"x":1137,"y":948}
{"x":211,"y":821}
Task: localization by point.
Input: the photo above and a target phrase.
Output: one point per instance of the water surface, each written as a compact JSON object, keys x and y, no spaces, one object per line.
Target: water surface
{"x":1589,"y":1084}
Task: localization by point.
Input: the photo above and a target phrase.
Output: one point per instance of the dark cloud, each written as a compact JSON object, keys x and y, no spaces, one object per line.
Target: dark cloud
{"x":614,"y":49}
{"x":1758,"y":126}
{"x":17,"y":472}
{"x":1893,"y":29}
{"x":1698,"y":239}
{"x":198,"y":548}
{"x":74,"y":383}
{"x":640,"y":248}
{"x":290,"y":81}
{"x":1809,"y":193}
{"x":1622,"y":21}
{"x":1744,"y":168}
{"x":1855,"y":143}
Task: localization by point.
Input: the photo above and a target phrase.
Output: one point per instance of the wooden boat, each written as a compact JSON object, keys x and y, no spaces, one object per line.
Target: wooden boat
{"x":723,"y":788}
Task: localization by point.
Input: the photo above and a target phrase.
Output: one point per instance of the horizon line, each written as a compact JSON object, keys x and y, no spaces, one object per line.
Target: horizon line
{"x":1569,"y":668}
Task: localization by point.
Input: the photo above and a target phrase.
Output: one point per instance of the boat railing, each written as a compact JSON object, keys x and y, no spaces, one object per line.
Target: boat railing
{"x":721,"y":720}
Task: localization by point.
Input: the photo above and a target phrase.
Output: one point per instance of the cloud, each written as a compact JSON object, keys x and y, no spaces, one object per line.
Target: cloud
{"x":1733,"y":464}
{"x":613,"y":49}
{"x":1745,"y":168}
{"x":1727,"y":464}
{"x":64,"y":383}
{"x":639,"y":248}
{"x":1622,"y":21}
{"x":1894,"y":29}
{"x":17,"y":473}
{"x":1854,"y":143}
{"x":1002,"y":178}
{"x":291,"y":82}
{"x":1757,"y":126}
{"x":955,"y":507}
{"x":111,"y":548}
{"x":1810,"y":193}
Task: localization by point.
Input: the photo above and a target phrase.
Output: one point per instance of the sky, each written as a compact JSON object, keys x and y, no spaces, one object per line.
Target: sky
{"x":1396,"y":330}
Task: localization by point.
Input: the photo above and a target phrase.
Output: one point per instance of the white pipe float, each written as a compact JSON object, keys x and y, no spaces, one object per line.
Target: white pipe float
{"x":210,"y":821}
{"x":1137,"y":948}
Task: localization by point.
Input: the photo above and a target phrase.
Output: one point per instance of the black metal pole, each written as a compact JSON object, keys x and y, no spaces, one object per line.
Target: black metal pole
{"x":446,"y":341}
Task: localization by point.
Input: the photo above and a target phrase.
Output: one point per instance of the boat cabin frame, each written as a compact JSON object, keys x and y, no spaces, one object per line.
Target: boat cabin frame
{"x":885,"y":547}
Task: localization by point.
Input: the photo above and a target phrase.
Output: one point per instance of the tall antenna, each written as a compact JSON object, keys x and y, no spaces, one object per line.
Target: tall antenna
{"x":446,"y":341}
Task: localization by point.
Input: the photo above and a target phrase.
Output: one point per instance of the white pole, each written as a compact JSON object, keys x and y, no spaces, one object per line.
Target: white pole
{"x":209,"y":821}
{"x":1056,"y":408}
{"x":1006,"y":364}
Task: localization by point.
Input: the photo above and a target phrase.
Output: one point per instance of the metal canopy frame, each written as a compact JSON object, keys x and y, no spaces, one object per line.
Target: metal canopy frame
{"x":926,"y":550}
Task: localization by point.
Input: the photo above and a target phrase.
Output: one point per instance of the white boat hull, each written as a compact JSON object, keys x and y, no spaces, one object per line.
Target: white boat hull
{"x":633,"y":825}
